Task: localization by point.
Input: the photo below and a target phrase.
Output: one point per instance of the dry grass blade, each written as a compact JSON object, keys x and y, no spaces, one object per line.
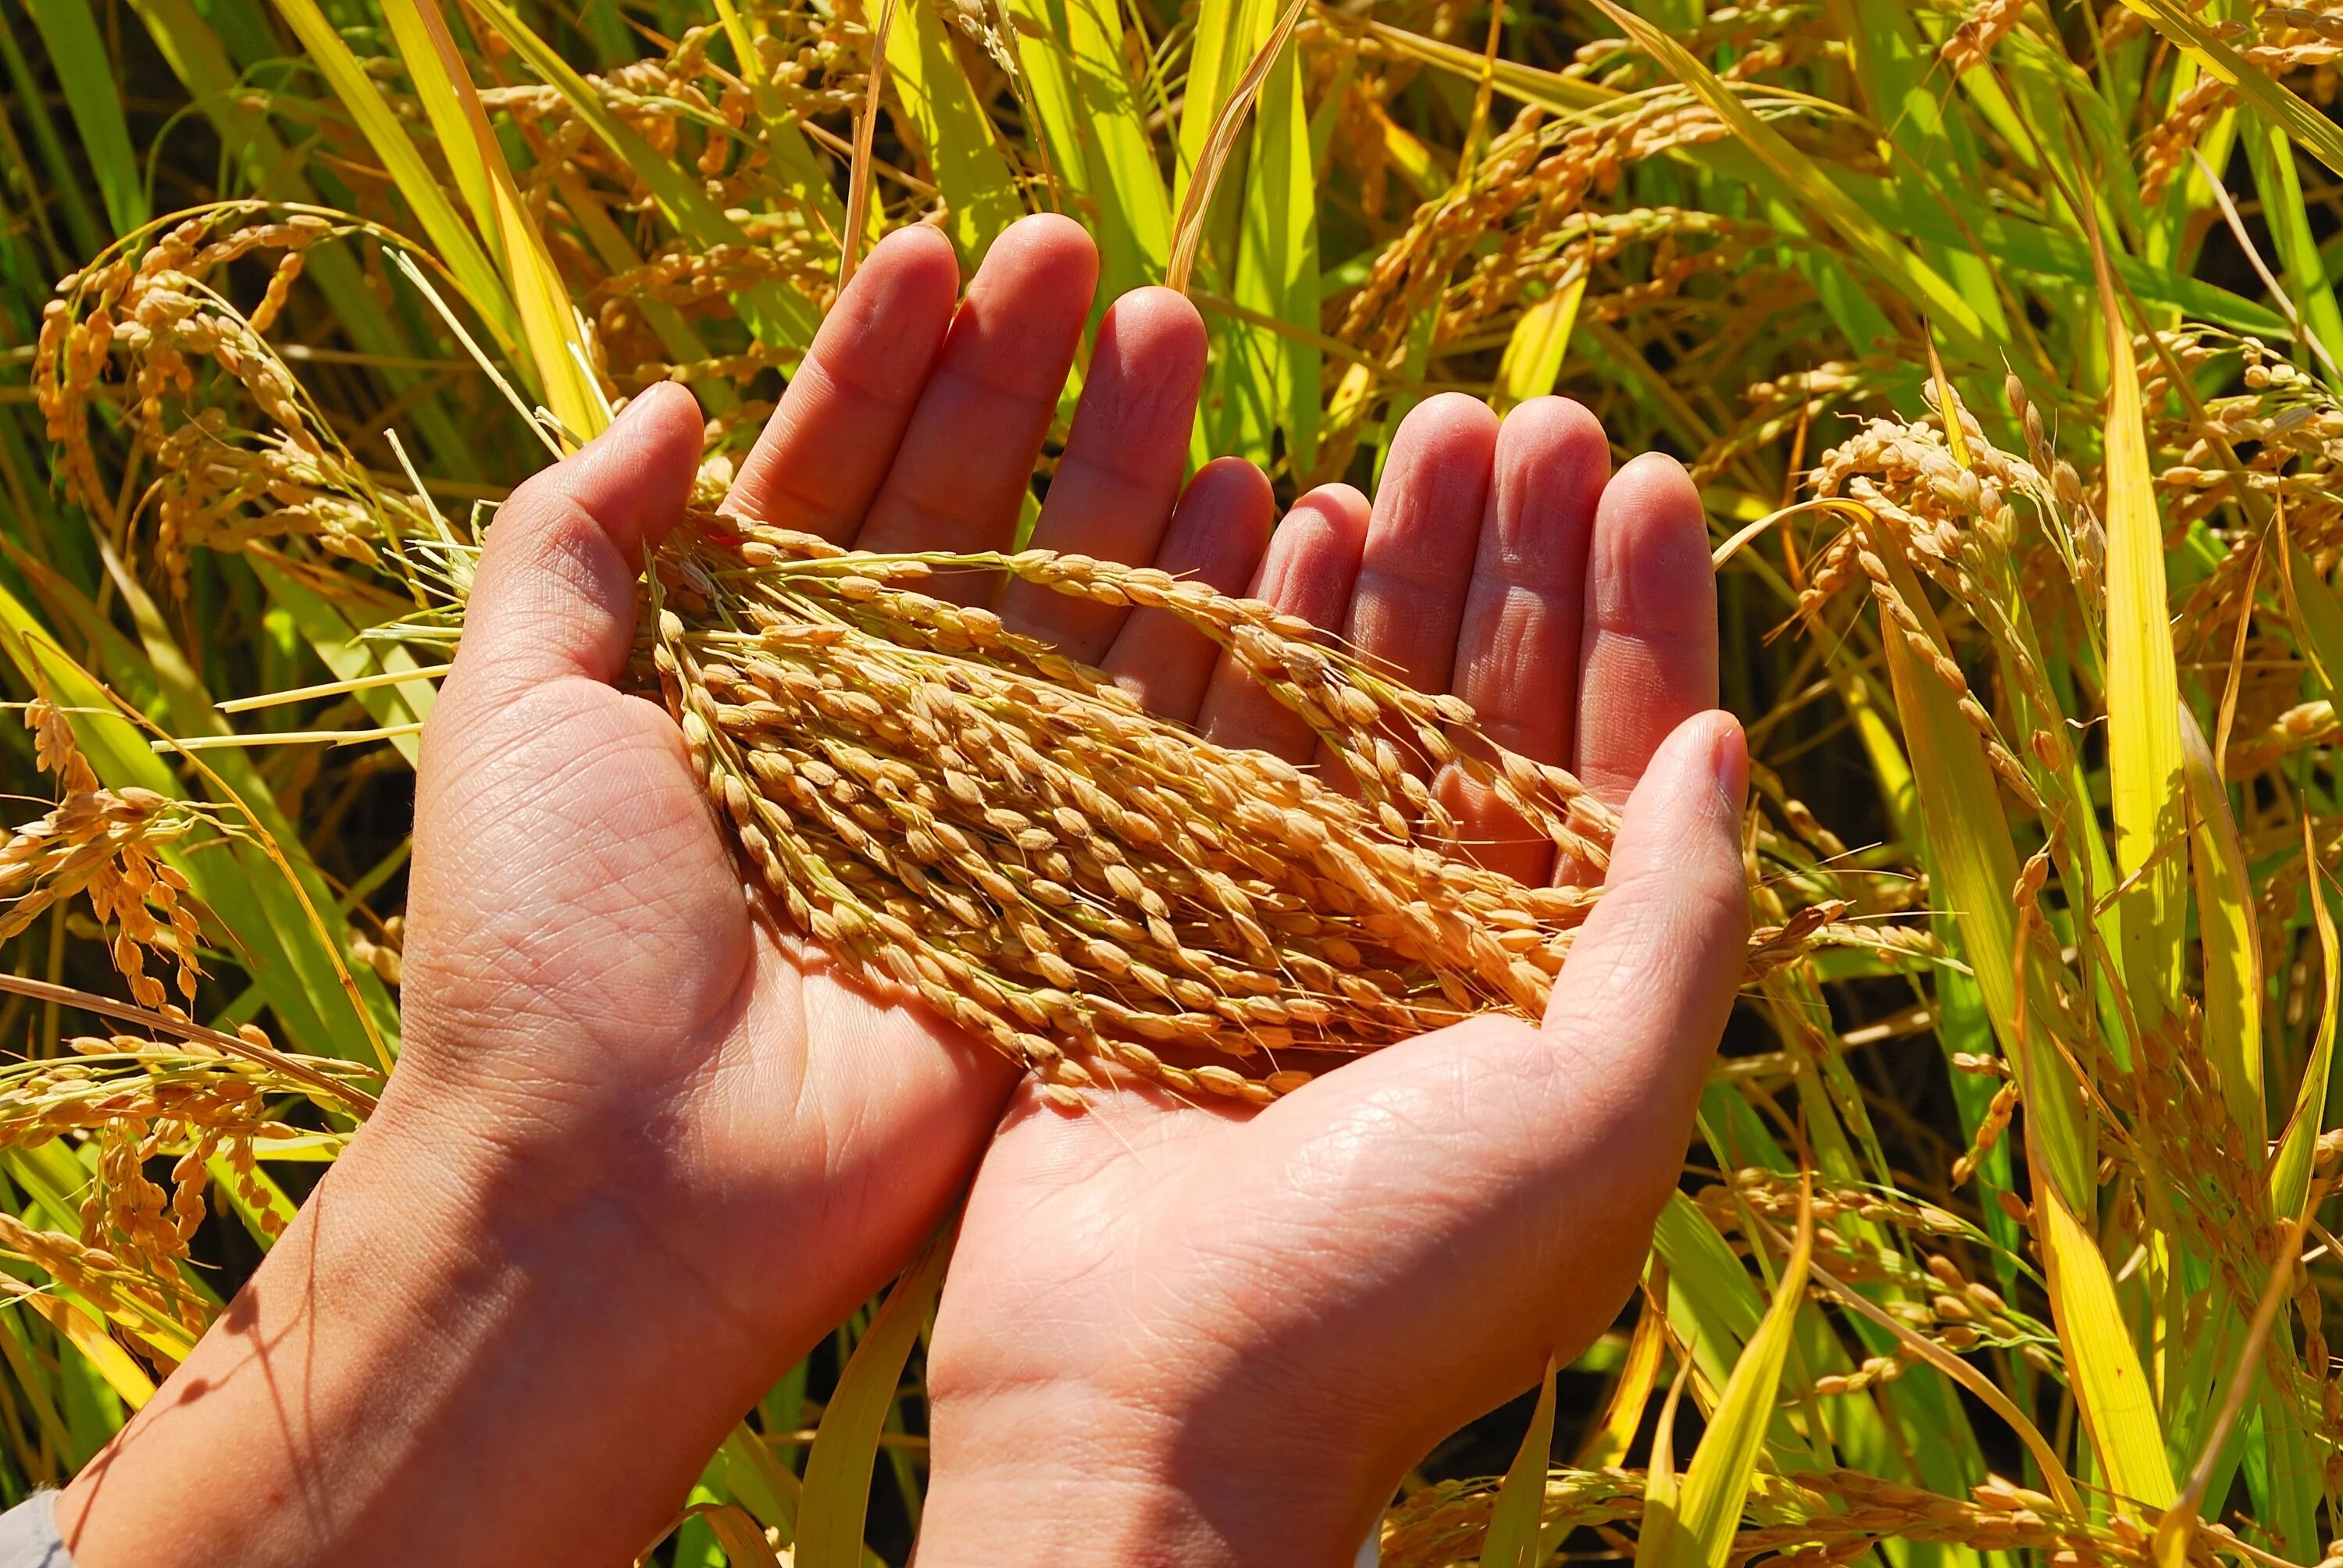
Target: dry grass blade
{"x":335,"y":1087}
{"x":858,"y":174}
{"x":1188,"y":231}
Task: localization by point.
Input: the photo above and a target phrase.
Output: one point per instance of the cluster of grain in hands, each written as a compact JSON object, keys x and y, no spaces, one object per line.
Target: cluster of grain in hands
{"x":956,"y":809}
{"x":959,"y":811}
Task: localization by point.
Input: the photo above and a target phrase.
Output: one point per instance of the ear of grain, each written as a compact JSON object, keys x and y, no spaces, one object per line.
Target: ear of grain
{"x":1806,"y":183}
{"x":294,"y":969}
{"x":959,"y":812}
{"x":2318,"y":135}
{"x":776,"y":315}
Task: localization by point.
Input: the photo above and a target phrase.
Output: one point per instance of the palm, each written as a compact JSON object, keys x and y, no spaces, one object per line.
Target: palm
{"x":1471,"y":573}
{"x":589,"y":901}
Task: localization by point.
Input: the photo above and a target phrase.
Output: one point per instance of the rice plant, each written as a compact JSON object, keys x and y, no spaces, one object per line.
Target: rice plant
{"x":2001,"y":337}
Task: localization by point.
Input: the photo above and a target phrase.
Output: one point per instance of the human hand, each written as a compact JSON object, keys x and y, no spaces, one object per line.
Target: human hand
{"x":636,"y":1158}
{"x":1190,"y":1335}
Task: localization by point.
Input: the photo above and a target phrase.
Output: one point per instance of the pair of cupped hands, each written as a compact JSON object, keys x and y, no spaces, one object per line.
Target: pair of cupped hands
{"x":637,"y":1159}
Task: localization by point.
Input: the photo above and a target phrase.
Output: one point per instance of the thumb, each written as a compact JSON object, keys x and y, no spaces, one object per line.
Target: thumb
{"x":1503,"y":1177}
{"x":555,"y":592}
{"x":1643,"y":1001}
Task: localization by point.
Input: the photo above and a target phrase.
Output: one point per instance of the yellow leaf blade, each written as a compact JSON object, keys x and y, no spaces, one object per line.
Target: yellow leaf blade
{"x":1514,"y":1522}
{"x":2143,"y":689}
{"x":1541,"y":338}
{"x":837,"y":1491}
{"x":744,"y":1543}
{"x":557,"y":343}
{"x":1716,"y":1484}
{"x":123,"y":1375}
{"x":2298,"y":1142}
{"x":2110,"y":1385}
{"x":979,"y":196}
{"x":1608,"y":1444}
{"x":1972,"y":856}
{"x":2230,"y":935}
{"x":415,"y":182}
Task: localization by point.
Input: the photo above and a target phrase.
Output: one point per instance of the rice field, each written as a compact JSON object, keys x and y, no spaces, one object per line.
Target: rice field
{"x":2000,"y":338}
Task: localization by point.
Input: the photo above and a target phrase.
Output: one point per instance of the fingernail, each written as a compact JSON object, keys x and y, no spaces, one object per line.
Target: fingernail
{"x":627,"y":415}
{"x":636,"y":405}
{"x":1728,"y":761}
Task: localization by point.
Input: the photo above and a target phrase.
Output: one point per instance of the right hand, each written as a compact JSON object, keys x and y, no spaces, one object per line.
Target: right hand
{"x":1177,"y":1335}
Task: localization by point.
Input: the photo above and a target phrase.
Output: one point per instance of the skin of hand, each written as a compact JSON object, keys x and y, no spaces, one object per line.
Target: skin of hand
{"x":636,"y":1160}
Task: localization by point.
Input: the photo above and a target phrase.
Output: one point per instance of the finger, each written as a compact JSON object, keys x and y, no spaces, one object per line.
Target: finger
{"x":1420,"y":551}
{"x":1649,"y":647}
{"x":1517,"y":643}
{"x":1311,"y":565}
{"x":1217,"y":536}
{"x":825,"y":451}
{"x":1113,"y":489}
{"x":555,"y":593}
{"x":967,"y":457}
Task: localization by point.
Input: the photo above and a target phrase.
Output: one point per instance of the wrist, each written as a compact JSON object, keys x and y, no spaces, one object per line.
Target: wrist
{"x":1060,"y":1478}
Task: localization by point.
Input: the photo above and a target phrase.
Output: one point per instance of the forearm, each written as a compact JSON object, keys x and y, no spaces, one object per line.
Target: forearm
{"x":411,"y":1377}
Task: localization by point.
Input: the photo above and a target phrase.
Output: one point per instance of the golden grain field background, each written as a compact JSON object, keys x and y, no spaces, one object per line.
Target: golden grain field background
{"x":2002,"y":339}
